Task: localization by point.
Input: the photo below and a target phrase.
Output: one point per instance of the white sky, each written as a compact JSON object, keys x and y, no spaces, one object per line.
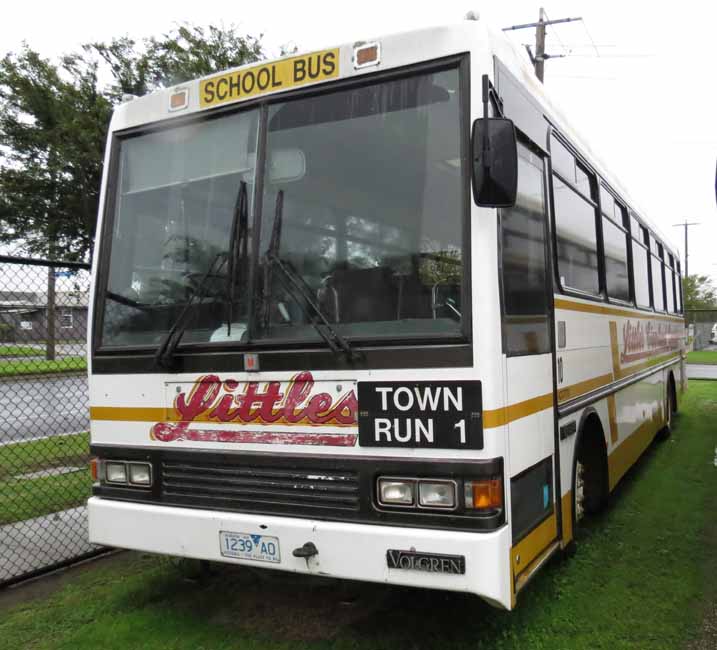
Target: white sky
{"x":647,"y":104}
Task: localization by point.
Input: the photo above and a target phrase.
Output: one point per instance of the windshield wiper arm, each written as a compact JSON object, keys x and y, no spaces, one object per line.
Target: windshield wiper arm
{"x":238,"y":248}
{"x":167,"y":346}
{"x":298,"y":289}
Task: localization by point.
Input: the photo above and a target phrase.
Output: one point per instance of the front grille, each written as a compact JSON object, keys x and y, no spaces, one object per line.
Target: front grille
{"x":246,"y":487}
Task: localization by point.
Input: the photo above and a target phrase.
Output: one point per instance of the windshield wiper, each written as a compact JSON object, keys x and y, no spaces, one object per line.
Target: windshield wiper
{"x":168,"y":345}
{"x":299,"y":290}
{"x":239,"y":246}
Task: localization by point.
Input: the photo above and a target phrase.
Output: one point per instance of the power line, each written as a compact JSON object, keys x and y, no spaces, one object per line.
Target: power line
{"x":597,"y":52}
{"x":538,"y":60}
{"x":686,"y":225}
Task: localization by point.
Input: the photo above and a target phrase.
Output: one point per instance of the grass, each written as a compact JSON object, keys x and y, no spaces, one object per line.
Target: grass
{"x":42,"y":366}
{"x":25,"y":498}
{"x":19,"y":351}
{"x":702,"y":356}
{"x":640,"y":580}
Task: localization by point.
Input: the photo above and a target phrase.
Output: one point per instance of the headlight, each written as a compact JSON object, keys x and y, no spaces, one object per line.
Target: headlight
{"x":437,"y":494}
{"x":115,"y":472}
{"x":393,"y":492}
{"x":140,"y":474}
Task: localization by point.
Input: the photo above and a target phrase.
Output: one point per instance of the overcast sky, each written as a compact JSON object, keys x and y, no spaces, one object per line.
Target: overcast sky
{"x":640,"y":83}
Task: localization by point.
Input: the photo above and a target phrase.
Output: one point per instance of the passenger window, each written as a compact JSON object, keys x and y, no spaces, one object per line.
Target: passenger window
{"x":616,"y":268}
{"x":641,"y":274}
{"x":576,"y":240}
{"x":525,"y":300}
{"x":562,"y":160}
{"x":658,"y":284}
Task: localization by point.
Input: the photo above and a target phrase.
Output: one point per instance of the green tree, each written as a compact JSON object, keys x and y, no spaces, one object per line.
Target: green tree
{"x":699,"y":293}
{"x":186,"y":52}
{"x":53,"y":124}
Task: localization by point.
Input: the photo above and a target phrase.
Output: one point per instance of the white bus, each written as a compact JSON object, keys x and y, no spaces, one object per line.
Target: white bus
{"x":374,"y":312}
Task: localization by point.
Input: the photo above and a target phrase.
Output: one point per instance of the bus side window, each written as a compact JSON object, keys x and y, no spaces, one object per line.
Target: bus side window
{"x":522,"y":233}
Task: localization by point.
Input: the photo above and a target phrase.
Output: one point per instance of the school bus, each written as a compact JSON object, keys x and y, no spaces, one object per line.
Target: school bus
{"x":373,"y":312}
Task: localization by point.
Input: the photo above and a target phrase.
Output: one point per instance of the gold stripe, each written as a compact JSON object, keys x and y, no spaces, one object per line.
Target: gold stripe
{"x":566,"y":506}
{"x":612,"y":417}
{"x":574,"y":390}
{"x":528,"y":548}
{"x":630,"y":449}
{"x":499,"y":417}
{"x":561,"y":303}
{"x":128,"y":413}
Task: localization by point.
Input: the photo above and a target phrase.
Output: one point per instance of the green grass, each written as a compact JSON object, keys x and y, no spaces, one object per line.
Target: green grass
{"x":19,"y":351}
{"x":702,"y":356}
{"x":25,"y":498}
{"x":42,"y":366}
{"x":640,"y":580}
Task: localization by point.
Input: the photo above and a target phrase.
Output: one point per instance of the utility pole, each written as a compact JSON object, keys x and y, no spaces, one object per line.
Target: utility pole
{"x":538,"y":59}
{"x":686,"y":226}
{"x":540,"y":47}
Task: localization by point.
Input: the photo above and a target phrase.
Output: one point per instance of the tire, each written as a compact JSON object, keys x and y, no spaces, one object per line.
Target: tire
{"x":670,"y":409}
{"x":590,"y":476}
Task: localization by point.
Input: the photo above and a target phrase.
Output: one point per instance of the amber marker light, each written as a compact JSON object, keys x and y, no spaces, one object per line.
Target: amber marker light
{"x":486,"y":494}
{"x":95,"y":469}
{"x":178,"y":99}
{"x":366,"y":55}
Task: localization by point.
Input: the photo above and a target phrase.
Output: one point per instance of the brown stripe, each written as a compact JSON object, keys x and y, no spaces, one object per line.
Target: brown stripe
{"x":566,"y":506}
{"x":528,"y":548}
{"x":630,"y":449}
{"x":128,"y":413}
{"x":561,"y":303}
{"x":612,"y":417}
{"x":499,"y":417}
{"x":574,"y":390}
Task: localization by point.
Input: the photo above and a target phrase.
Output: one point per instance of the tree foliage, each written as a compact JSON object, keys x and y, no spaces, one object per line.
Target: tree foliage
{"x":699,"y":293}
{"x":54,"y":118}
{"x":52,"y":128}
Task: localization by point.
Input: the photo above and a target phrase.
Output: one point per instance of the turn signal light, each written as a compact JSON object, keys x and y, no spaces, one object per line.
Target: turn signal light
{"x":95,"y":469}
{"x":484,"y":494}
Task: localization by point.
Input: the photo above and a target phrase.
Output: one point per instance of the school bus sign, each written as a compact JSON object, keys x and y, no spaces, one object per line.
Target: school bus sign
{"x":269,"y":77}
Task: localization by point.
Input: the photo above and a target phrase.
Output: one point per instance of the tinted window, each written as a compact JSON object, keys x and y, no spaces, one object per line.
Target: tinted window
{"x":177,"y":194}
{"x":616,"y":267}
{"x":657,"y":284}
{"x":523,"y":261}
{"x":562,"y":160}
{"x":372,"y":223}
{"x":669,"y":291}
{"x":641,"y":276}
{"x":576,"y":240}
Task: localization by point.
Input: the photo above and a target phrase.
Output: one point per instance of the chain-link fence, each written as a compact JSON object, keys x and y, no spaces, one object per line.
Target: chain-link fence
{"x":44,"y":416}
{"x":702,"y":328}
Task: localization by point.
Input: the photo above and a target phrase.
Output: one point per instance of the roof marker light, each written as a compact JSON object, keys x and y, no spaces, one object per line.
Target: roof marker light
{"x":179,"y":99}
{"x":367,"y":54}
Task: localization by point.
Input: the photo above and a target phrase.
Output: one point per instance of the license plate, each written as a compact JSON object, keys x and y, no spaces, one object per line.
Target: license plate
{"x":248,"y":546}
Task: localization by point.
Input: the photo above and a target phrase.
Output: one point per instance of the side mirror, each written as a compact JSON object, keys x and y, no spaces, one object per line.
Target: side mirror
{"x":495,"y":162}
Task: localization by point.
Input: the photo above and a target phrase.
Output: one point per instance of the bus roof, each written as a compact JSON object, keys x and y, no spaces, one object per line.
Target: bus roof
{"x":396,"y":50}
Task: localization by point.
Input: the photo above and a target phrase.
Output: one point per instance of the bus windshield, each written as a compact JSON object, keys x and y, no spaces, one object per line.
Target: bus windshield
{"x":367,"y":183}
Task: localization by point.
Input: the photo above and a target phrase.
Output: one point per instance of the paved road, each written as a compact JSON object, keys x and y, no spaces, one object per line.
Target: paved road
{"x":43,"y":406}
{"x":701,"y":371}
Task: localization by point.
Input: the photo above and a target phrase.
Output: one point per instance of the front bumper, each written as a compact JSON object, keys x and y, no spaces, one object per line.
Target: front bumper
{"x":346,"y":550}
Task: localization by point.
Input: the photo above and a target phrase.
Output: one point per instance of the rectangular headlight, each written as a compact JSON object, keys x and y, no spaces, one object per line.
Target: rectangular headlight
{"x":140,"y":474}
{"x":395,"y":492}
{"x":437,"y":494}
{"x":115,"y":472}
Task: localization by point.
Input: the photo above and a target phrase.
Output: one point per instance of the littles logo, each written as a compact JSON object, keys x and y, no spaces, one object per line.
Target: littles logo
{"x":642,"y":341}
{"x":214,"y":400}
